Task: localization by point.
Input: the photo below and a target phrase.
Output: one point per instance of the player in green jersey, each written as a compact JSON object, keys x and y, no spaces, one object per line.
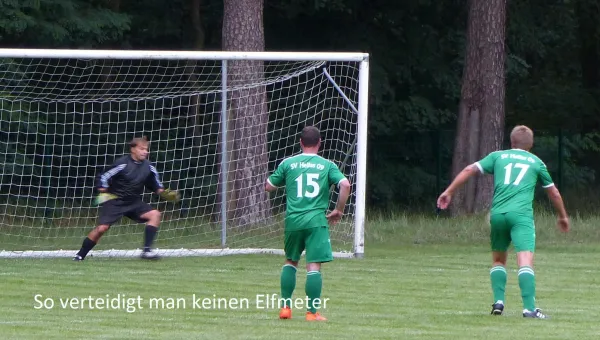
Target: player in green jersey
{"x":307,"y":178}
{"x":516,"y":173}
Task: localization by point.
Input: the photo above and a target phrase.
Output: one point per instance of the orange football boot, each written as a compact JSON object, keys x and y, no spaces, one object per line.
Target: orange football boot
{"x":314,"y":317}
{"x":285,"y":313}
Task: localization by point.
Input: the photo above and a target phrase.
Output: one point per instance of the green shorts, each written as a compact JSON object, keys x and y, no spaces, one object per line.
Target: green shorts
{"x":512,"y":227}
{"x":315,"y":241}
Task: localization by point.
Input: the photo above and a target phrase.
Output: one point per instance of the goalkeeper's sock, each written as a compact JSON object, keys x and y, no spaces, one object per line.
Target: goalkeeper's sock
{"x":314,"y":284}
{"x":498,"y":278}
{"x":86,"y":247}
{"x":527,"y":285}
{"x":288,"y":284}
{"x":149,"y":235}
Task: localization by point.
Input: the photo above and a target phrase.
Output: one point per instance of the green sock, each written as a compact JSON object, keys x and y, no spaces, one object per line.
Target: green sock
{"x":288,"y":284}
{"x":498,"y":278}
{"x":527,"y":285}
{"x":314,"y":283}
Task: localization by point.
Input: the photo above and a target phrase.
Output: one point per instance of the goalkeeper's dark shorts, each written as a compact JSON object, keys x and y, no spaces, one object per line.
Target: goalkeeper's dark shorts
{"x":112,"y":211}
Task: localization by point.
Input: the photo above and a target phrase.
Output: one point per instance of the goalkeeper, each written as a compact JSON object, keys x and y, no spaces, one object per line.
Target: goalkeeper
{"x":121,"y":187}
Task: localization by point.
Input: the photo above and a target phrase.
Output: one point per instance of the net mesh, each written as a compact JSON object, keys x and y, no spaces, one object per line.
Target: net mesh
{"x":63,"y":121}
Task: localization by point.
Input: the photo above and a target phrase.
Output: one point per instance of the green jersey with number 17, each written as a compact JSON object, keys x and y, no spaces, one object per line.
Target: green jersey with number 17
{"x":307,"y":178}
{"x":516,"y":173}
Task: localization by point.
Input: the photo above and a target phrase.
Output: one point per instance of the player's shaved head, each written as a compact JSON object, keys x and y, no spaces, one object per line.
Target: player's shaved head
{"x":139,"y":141}
{"x":521,"y":137}
{"x":310,"y":136}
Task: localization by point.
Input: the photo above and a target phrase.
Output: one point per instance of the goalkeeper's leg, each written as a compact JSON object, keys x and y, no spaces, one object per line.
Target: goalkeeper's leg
{"x":110,"y":212}
{"x":90,"y":241}
{"x":142,"y":212}
{"x":152,"y":219}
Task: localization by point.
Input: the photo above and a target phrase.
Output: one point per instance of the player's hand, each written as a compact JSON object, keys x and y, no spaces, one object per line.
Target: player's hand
{"x":564,"y":224}
{"x":334,"y":216}
{"x":104,"y":197}
{"x":170,"y":195}
{"x":444,"y":200}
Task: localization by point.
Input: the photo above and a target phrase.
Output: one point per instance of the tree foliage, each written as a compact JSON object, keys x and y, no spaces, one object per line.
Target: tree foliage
{"x":417,"y":53}
{"x":59,"y":23}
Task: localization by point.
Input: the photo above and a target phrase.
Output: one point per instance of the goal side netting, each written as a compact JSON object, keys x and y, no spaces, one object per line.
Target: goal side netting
{"x":218,"y":124}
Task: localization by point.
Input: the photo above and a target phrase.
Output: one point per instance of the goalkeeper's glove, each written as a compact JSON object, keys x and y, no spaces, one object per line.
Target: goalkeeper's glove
{"x":104,"y":197}
{"x":170,"y":195}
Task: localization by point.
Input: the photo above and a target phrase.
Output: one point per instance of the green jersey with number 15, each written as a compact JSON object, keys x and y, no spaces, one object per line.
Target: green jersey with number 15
{"x":516,"y":173}
{"x":307,"y":178}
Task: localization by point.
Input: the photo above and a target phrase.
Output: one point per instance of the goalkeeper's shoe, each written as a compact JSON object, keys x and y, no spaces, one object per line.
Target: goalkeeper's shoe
{"x":314,"y":317}
{"x":497,"y":308}
{"x":535,"y":314}
{"x":78,"y":258}
{"x":150,"y":255}
{"x":285,"y":313}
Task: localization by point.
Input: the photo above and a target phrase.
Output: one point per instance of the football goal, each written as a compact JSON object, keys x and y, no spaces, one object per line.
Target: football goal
{"x":218,"y":125}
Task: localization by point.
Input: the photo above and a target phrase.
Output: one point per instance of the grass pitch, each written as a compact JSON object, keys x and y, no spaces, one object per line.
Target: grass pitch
{"x":421,"y":279}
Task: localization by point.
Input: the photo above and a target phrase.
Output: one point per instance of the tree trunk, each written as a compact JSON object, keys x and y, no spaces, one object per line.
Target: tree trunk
{"x":195,"y":115}
{"x":243,"y":30}
{"x":480,"y":127}
{"x":468,"y":116}
{"x":493,"y":61}
{"x":190,"y":70}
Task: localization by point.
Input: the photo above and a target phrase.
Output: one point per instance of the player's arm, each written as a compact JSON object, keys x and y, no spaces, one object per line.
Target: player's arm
{"x":486,"y":165}
{"x":557,"y":201}
{"x":555,"y":197}
{"x":469,"y":171}
{"x":462,"y":178}
{"x":269,"y":187}
{"x":344,"y":186}
{"x":102,"y":182}
{"x":276,"y":179}
{"x":154,"y":184}
{"x":153,"y":181}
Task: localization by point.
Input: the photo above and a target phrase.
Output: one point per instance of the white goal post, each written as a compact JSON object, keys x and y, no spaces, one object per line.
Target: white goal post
{"x":218,"y":124}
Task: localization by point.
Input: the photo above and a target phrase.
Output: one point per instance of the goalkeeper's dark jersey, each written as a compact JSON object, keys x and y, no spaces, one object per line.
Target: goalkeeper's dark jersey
{"x":127,"y":178}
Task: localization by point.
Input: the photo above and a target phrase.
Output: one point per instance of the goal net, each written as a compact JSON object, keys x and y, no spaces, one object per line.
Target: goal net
{"x":218,"y":124}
